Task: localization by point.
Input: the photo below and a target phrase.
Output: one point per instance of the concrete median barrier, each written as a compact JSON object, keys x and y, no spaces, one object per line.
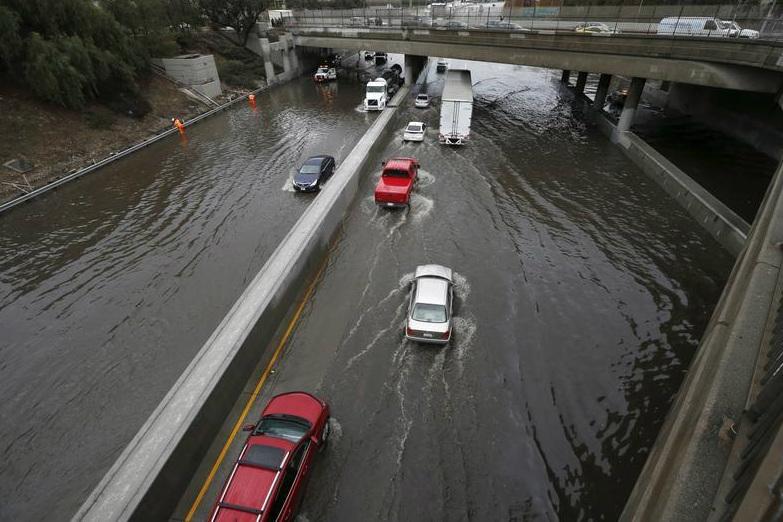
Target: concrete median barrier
{"x":150,"y":475}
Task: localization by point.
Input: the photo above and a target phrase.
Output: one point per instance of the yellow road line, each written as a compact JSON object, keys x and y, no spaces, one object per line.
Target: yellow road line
{"x":254,"y":395}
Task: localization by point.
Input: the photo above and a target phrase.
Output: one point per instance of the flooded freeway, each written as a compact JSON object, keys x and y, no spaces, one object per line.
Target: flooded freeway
{"x":582,"y":290}
{"x":110,"y":285}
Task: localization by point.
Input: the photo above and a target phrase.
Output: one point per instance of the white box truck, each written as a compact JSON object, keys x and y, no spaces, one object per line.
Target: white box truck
{"x":456,"y":108}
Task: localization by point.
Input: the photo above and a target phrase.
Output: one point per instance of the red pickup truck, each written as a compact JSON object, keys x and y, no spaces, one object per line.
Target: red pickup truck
{"x":396,"y":183}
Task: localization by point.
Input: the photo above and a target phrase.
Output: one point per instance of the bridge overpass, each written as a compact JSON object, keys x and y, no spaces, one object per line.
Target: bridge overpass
{"x":727,"y":63}
{"x":711,"y":62}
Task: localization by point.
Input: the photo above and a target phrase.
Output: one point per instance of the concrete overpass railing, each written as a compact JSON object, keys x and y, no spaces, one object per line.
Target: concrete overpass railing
{"x":748,"y":65}
{"x":718,"y":456}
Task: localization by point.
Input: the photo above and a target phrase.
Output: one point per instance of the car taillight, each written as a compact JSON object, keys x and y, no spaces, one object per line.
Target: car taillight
{"x":408,"y":331}
{"x":446,"y":334}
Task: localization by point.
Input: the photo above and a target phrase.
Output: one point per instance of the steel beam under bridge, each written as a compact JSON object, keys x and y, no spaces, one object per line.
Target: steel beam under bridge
{"x":745,"y":66}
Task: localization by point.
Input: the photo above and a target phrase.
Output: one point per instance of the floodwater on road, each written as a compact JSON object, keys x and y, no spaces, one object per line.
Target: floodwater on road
{"x":110,"y":285}
{"x":582,"y":290}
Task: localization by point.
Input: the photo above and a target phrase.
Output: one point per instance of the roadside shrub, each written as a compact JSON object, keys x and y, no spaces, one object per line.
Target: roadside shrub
{"x":238,"y":74}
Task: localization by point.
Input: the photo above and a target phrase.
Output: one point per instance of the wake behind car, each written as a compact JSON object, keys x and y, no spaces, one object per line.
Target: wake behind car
{"x":314,"y":171}
{"x":414,"y":131}
{"x":396,"y":183}
{"x":267,"y":480}
{"x":430,"y":308}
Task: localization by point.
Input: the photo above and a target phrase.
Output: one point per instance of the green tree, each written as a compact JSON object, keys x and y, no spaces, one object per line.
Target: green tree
{"x":241,"y":15}
{"x":10,"y":39}
{"x":69,"y":51}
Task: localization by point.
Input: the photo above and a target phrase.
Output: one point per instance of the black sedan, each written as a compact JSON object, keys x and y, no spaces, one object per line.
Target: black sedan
{"x":315,"y":171}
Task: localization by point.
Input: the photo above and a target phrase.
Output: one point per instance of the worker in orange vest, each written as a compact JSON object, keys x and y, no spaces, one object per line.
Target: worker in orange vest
{"x":179,"y":125}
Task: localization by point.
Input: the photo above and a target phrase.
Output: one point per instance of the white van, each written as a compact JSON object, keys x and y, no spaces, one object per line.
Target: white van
{"x":703,"y":26}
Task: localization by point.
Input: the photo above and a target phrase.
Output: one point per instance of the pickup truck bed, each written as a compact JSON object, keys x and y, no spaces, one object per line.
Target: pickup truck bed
{"x":396,"y":183}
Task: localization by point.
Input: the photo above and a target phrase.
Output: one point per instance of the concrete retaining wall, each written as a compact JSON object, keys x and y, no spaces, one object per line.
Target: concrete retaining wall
{"x":197,"y":71}
{"x":681,"y":480}
{"x":724,"y":224}
{"x":154,"y":469}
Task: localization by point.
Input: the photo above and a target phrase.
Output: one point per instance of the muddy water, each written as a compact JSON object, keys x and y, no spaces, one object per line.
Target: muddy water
{"x":110,"y":285}
{"x":582,"y":291}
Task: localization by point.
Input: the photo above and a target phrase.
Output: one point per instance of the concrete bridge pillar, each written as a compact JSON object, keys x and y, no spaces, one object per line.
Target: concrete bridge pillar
{"x":287,"y":66}
{"x":293,"y":56}
{"x":565,"y":77}
{"x":629,"y":107}
{"x":266,"y":53}
{"x":602,"y":90}
{"x":581,"y":80}
{"x":413,"y":66}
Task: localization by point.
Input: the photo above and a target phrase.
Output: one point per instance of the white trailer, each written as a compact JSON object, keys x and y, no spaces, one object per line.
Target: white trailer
{"x":456,"y":108}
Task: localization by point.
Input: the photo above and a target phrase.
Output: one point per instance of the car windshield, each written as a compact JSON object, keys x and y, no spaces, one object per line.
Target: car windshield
{"x":310,"y":169}
{"x":414,"y":128}
{"x":394,"y":173}
{"x":375,"y":88}
{"x":429,"y":313}
{"x":283,"y":426}
{"x":322,"y":70}
{"x":422,"y":97}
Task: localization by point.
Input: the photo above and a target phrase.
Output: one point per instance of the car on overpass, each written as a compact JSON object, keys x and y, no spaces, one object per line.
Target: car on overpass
{"x":503,"y":25}
{"x":595,"y":28}
{"x":267,"y":480}
{"x":314,"y":171}
{"x":431,"y":305}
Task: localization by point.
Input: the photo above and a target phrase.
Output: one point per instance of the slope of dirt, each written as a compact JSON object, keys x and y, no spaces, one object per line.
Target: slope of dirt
{"x":58,"y":141}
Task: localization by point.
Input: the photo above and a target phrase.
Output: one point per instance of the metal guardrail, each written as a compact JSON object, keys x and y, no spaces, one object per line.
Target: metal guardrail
{"x":716,"y":21}
{"x":8,"y":205}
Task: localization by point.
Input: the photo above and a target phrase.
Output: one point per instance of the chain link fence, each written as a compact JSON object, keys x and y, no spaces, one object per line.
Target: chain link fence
{"x":735,"y":22}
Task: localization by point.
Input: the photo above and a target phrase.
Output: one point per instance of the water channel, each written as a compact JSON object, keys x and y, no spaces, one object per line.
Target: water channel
{"x":583,"y":290}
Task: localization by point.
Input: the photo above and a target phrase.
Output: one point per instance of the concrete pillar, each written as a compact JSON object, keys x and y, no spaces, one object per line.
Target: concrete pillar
{"x":266,"y":53}
{"x":287,"y":68}
{"x":629,"y":107}
{"x":295,"y":62}
{"x":602,"y":90}
{"x":566,"y":76}
{"x":581,"y":80}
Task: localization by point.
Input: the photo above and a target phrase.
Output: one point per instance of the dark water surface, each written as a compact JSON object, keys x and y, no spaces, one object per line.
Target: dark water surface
{"x":582,"y":291}
{"x":732,"y":171}
{"x":110,"y":285}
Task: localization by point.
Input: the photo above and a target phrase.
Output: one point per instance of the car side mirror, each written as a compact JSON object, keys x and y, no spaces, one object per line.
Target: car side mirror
{"x":248,"y":427}
{"x":314,"y":439}
{"x":383,"y":164}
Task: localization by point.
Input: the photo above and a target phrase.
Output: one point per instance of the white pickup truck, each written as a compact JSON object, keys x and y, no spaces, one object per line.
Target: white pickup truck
{"x":325,"y":74}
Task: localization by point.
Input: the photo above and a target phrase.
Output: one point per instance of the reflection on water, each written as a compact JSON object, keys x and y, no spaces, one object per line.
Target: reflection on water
{"x":110,"y":285}
{"x":589,"y":290}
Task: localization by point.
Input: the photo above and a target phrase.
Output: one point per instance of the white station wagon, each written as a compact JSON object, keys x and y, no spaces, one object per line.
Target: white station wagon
{"x":429,"y":312}
{"x":414,"y":131}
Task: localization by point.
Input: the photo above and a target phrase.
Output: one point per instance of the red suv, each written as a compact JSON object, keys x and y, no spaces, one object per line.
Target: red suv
{"x":267,"y":480}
